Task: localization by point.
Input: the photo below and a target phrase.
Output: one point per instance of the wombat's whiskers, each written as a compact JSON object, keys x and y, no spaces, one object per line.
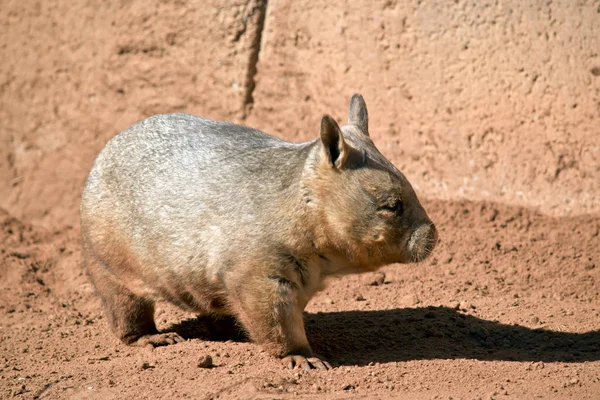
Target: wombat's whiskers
{"x":379,"y":250}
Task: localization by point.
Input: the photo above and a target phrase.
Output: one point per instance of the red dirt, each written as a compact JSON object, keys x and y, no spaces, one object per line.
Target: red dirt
{"x":508,"y":305}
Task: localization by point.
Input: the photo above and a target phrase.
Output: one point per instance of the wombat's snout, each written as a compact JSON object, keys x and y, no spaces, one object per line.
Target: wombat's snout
{"x":422,"y":241}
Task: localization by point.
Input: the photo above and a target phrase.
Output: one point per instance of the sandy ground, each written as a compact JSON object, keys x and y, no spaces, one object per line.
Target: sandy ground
{"x":491,"y":109}
{"x":506,"y":308}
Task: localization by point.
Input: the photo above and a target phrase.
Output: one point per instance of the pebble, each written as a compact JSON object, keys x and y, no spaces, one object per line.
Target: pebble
{"x":374,"y":279}
{"x":144,"y":365}
{"x":589,"y":266}
{"x":205,"y":362}
{"x":535,"y":366}
{"x":410,"y":300}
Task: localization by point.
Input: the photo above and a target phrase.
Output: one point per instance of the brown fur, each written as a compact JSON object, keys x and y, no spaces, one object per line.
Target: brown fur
{"x":220,"y":218}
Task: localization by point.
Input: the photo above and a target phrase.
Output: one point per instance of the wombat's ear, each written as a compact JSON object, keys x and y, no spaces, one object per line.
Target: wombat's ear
{"x":334,"y":146}
{"x":357,"y":113}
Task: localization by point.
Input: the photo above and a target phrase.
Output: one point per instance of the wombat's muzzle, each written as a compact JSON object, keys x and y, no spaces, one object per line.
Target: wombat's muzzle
{"x":422,"y":242}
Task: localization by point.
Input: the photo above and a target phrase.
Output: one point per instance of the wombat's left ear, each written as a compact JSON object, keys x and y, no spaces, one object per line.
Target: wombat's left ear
{"x":357,"y":113}
{"x":334,"y":145}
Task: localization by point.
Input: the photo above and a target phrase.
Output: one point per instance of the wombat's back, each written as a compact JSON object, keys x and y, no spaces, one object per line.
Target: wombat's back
{"x":198,"y":184}
{"x":172,"y":144}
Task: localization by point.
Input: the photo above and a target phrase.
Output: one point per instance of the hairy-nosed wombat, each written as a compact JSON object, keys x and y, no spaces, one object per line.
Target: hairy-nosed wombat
{"x":217,"y":217}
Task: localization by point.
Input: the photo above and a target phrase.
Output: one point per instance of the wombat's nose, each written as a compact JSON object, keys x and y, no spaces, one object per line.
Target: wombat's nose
{"x":422,"y":241}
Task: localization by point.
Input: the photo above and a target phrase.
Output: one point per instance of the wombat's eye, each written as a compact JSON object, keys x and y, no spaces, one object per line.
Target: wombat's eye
{"x":395,"y":207}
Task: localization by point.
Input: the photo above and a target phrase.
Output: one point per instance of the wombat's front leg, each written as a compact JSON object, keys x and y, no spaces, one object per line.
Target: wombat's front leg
{"x":271,"y":312}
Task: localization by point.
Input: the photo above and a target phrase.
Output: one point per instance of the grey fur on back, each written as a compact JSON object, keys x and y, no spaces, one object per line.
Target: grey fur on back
{"x":209,"y":186}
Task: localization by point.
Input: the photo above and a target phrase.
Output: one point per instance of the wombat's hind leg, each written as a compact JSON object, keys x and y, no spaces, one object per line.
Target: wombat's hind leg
{"x":131,"y":316}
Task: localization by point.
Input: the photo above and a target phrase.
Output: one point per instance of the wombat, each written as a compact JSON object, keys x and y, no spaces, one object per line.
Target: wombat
{"x":221,"y":218}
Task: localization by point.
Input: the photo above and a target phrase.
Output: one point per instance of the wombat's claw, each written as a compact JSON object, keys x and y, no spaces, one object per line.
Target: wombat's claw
{"x":306,"y":363}
{"x":159,"y":339}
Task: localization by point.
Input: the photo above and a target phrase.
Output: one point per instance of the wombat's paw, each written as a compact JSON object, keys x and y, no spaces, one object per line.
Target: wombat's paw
{"x":306,"y":363}
{"x":159,"y":339}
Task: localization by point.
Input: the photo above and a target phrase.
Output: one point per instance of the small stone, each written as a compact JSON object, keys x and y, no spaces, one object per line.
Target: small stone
{"x":347,"y":386}
{"x":589,"y":266}
{"x":329,"y":301}
{"x":535,"y":320}
{"x":205,"y":362}
{"x":360,"y":298}
{"x":410,"y":300}
{"x":144,"y":365}
{"x":374,"y":279}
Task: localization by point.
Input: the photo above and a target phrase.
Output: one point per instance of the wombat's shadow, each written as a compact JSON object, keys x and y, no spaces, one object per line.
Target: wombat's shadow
{"x":361,"y":337}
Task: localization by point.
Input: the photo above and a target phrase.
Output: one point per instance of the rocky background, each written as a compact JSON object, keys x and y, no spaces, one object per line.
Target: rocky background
{"x":491,"y":109}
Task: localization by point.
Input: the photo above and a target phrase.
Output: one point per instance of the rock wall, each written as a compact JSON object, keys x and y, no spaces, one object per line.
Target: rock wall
{"x":471,"y":99}
{"x":477,"y":99}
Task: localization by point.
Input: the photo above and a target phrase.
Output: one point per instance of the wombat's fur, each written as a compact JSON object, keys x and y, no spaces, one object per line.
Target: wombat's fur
{"x":217,"y":217}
